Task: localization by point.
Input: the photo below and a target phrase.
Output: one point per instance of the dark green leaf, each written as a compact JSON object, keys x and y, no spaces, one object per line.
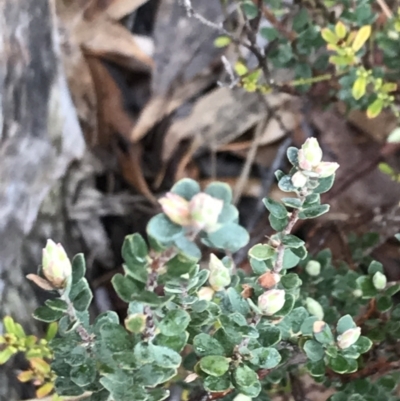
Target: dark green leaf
{"x":269,"y":335}
{"x":363,"y":345}
{"x":57,"y":304}
{"x":313,"y":211}
{"x":125,"y":287}
{"x":275,"y":208}
{"x":78,"y":268}
{"x":291,"y":241}
{"x":188,"y":248}
{"x":325,"y":184}
{"x":290,"y":259}
{"x":307,"y":326}
{"x":134,"y":249}
{"x":383,"y":303}
{"x":177,"y":343}
{"x":294,"y":203}
{"x":47,"y":315}
{"x":114,"y":337}
{"x":157,"y":394}
{"x":84,"y":374}
{"x":285,"y":184}
{"x":82,"y":299}
{"x":338,"y":364}
{"x":143,"y":353}
{"x":249,"y":9}
{"x":324,"y":335}
{"x":374,"y":267}
{"x":217,"y":384}
{"x":292,"y":155}
{"x":165,"y":357}
{"x":278,"y":224}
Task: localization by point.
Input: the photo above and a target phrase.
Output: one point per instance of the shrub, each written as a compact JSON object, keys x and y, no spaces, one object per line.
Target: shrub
{"x":218,"y":329}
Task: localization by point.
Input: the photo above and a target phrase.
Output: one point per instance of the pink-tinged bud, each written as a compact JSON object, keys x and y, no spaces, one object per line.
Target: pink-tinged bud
{"x":204,"y":211}
{"x":220,"y":276}
{"x":299,"y":180}
{"x":348,"y":338}
{"x":326,"y":169}
{"x":176,"y":208}
{"x":271,"y":301}
{"x":310,"y":154}
{"x":206,"y":294}
{"x":55,"y":264}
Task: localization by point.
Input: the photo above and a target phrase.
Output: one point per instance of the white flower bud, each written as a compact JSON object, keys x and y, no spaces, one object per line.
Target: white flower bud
{"x":313,"y":268}
{"x":326,"y":169}
{"x":310,"y":154}
{"x":299,"y":180}
{"x":205,"y":293}
{"x":379,"y":280}
{"x":271,"y":302}
{"x":314,"y":308}
{"x":349,"y":337}
{"x":204,"y":211}
{"x":220,"y":276}
{"x":176,"y":208}
{"x":55,"y":264}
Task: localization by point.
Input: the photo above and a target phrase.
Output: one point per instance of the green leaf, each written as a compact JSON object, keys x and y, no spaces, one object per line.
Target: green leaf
{"x":76,"y":357}
{"x":84,"y":374}
{"x":177,"y":343}
{"x":152,"y":375}
{"x":262,"y":252}
{"x":375,"y":108}
{"x":362,"y":345}
{"x":294,"y":203}
{"x":307,"y":326}
{"x":249,"y":9}
{"x":313,"y":211}
{"x":66,"y":387}
{"x":324,"y":336}
{"x":345,"y":323}
{"x":81,"y":295}
{"x":162,"y":229}
{"x":125,"y":287}
{"x":78,"y":268}
{"x":47,"y":315}
{"x":292,"y":155}
{"x":165,"y":357}
{"x":174,"y":322}
{"x":157,"y":394}
{"x":325,"y":184}
{"x":230,"y":237}
{"x":392,"y":290}
{"x":252,"y":391}
{"x":217,"y":384}
{"x":143,"y":353}
{"x":278,"y":224}
{"x":367,"y":287}
{"x":291,"y":241}
{"x":115,"y":338}
{"x":290,"y":281}
{"x":238,"y":303}
{"x":316,"y":369}
{"x":290,"y":259}
{"x":57,"y":304}
{"x":338,"y":364}
{"x":275,"y":208}
{"x":222,"y":41}
{"x":269,"y":335}
{"x":6,"y":354}
{"x":359,"y":87}
{"x":214,"y":365}
{"x":151,"y":298}
{"x":220,"y":190}
{"x":375,"y":267}
{"x":291,"y":324}
{"x":269,"y":33}
{"x":288,"y":306}
{"x":285,"y":184}
{"x":134,"y":249}
{"x":188,"y":248}
{"x":244,"y":376}
{"x":229,"y":214}
{"x":383,"y":303}
{"x":187,"y":188}
{"x":314,"y":350}
{"x":265,"y":358}
{"x":300,"y":252}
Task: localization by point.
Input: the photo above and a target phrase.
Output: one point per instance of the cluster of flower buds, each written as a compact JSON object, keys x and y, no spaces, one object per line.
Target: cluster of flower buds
{"x":220,"y":276}
{"x":271,"y":302}
{"x":201,"y":212}
{"x":310,"y":163}
{"x":56,"y":266}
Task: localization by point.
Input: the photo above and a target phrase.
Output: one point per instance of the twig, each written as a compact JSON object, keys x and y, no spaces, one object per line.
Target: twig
{"x":385,"y":8}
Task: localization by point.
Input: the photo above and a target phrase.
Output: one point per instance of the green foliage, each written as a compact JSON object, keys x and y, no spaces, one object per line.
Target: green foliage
{"x":292,"y":313}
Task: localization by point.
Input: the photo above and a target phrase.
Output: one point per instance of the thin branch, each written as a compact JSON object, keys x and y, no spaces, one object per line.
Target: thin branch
{"x":385,"y":8}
